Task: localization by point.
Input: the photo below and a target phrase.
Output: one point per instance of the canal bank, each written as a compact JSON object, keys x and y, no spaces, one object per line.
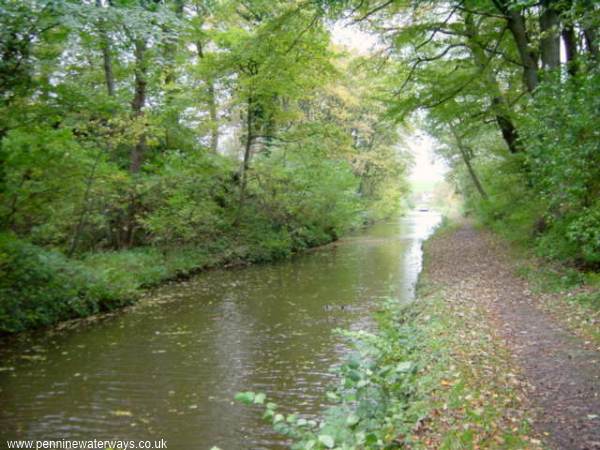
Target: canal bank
{"x":479,"y":360}
{"x":434,"y":373}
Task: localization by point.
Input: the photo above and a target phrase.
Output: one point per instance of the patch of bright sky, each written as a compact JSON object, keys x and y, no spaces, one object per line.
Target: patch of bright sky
{"x":427,"y":167}
{"x":346,"y":34}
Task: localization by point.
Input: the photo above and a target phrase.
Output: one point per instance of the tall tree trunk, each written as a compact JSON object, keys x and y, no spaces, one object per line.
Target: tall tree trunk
{"x":473,"y":175}
{"x":466,"y":154}
{"x":499,"y":104}
{"x":550,"y":35}
{"x":107,"y":65}
{"x":247,"y":156}
{"x":517,"y":27}
{"x":108,"y":72}
{"x":591,"y":42}
{"x":170,"y":53}
{"x":590,"y":31}
{"x":170,"y":49}
{"x":212,"y":104}
{"x":212,"y":110}
{"x":508,"y":129}
{"x":138,"y":103}
{"x":568,"y":35}
{"x":138,"y":151}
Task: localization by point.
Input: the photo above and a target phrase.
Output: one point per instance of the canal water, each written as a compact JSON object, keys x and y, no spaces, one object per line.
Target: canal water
{"x":169,"y":367}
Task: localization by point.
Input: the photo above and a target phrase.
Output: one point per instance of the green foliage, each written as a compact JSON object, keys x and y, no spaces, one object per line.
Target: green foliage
{"x":124,"y":272}
{"x":553,"y":279}
{"x":42,"y":167}
{"x":187,"y":198}
{"x":39,"y":287}
{"x":510,"y":208}
{"x":584,"y":233}
{"x":589,"y":299}
{"x":563,"y":144}
{"x":314,"y":198}
{"x":548,"y":196}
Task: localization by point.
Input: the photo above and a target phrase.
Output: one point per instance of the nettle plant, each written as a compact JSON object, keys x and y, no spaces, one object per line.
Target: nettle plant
{"x":371,"y":407}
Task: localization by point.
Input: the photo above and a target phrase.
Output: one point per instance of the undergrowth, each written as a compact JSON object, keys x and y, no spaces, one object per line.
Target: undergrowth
{"x":39,"y":287}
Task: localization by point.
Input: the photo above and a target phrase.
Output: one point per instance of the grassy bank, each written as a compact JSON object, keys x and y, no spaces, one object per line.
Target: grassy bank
{"x":40,"y":287}
{"x":433,"y":376}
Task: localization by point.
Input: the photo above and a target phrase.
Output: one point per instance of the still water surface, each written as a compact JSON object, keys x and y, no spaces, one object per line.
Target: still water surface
{"x":170,"y":366}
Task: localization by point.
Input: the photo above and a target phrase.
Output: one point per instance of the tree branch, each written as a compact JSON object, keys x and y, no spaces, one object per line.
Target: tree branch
{"x":373,"y":11}
{"x":297,"y":39}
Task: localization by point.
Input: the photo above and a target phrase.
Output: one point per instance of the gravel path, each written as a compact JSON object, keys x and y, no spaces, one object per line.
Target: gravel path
{"x":562,"y":370}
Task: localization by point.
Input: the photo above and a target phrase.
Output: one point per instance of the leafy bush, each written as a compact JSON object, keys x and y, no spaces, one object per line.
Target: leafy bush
{"x":53,"y":181}
{"x":584,"y":233}
{"x":563,"y":147}
{"x":314,"y":198}
{"x":548,"y":195}
{"x":563,"y":142}
{"x":510,"y":208}
{"x":39,"y":287}
{"x":186,"y":197}
{"x":125,"y":272}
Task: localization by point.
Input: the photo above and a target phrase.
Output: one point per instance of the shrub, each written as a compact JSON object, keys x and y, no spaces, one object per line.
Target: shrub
{"x":584,"y":234}
{"x":39,"y":287}
{"x":547,"y":196}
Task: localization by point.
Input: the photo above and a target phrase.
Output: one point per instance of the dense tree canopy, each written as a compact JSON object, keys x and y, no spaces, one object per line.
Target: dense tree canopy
{"x":233,"y":128}
{"x":507,"y":88}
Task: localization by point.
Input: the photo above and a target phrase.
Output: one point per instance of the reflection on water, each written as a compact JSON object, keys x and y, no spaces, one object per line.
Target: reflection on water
{"x":170,"y":366}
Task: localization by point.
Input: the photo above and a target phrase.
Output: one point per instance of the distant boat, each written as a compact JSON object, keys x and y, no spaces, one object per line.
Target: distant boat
{"x":423,"y":209}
